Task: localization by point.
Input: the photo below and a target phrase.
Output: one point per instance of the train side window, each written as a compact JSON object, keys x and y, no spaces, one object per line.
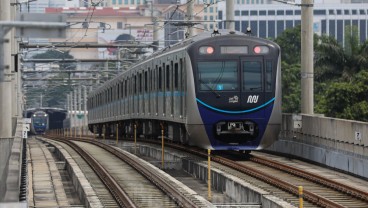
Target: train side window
{"x":135,"y":85}
{"x":111,"y":94}
{"x":252,"y":76}
{"x":159,"y":78}
{"x":107,"y":97}
{"x":140,"y":83}
{"x":145,"y":81}
{"x":167,"y":77}
{"x":150,"y":78}
{"x":269,"y":76}
{"x":176,"y":76}
{"x":122,"y":89}
{"x":126,"y":88}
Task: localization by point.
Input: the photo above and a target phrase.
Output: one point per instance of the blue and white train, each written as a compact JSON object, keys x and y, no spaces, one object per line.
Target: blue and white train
{"x":220,"y":92}
{"x":39,"y":122}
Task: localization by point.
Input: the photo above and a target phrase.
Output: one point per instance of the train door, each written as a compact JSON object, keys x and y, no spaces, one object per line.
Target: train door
{"x":252,"y":77}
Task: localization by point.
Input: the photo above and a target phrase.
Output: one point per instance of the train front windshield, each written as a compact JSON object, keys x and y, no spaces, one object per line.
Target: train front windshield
{"x":224,"y":76}
{"x":218,"y":76}
{"x":39,"y":121}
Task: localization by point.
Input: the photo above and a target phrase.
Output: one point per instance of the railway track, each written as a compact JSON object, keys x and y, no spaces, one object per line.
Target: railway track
{"x":283,"y":180}
{"x":130,"y":189}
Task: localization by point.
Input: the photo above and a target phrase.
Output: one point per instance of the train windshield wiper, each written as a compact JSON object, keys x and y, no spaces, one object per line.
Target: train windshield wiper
{"x":255,"y":88}
{"x":212,"y":90}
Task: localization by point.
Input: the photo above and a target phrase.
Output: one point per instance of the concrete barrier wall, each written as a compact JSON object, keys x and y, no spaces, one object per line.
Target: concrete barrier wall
{"x":347,"y":131}
{"x":328,"y":141}
{"x":5,"y":151}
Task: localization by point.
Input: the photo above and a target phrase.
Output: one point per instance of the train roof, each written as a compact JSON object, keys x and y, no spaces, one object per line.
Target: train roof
{"x":47,"y":110}
{"x":181,"y":46}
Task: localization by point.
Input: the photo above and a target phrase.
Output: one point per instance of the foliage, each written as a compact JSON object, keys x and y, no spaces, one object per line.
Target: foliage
{"x":340,"y":79}
{"x":290,"y":87}
{"x":53,"y":54}
{"x":347,"y":99}
{"x":52,"y":91}
{"x":290,"y":44}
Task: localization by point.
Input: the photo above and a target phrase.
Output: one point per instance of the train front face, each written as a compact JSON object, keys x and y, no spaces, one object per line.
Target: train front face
{"x":236,"y":91}
{"x":40,"y":122}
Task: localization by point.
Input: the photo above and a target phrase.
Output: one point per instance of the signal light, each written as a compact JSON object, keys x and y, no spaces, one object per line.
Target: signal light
{"x":261,"y":49}
{"x":206,"y":50}
{"x":209,"y":50}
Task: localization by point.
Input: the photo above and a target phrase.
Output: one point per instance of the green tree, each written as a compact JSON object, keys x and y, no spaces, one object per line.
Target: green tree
{"x":53,"y":91}
{"x":333,"y":61}
{"x":345,"y":99}
{"x":290,"y":43}
{"x":290,"y":87}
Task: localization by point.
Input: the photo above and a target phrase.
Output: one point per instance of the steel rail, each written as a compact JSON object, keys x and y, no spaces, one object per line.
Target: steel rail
{"x":117,"y":192}
{"x":313,"y":177}
{"x":161,"y":183}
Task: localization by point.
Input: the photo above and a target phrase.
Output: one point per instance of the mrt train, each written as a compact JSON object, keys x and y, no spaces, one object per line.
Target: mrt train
{"x":220,"y":92}
{"x":39,"y":122}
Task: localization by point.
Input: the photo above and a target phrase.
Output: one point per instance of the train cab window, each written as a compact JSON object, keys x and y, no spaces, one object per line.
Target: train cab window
{"x":219,"y":76}
{"x":252,"y":76}
{"x":268,"y":76}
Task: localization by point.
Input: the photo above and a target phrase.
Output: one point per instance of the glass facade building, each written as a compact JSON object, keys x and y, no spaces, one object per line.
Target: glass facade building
{"x":269,"y":20}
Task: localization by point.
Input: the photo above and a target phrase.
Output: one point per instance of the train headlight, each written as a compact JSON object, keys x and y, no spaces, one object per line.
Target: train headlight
{"x":206,"y":50}
{"x":261,"y":49}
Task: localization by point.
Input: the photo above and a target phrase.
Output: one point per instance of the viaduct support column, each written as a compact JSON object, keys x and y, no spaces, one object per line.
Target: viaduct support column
{"x":5,"y":75}
{"x":307,"y":70}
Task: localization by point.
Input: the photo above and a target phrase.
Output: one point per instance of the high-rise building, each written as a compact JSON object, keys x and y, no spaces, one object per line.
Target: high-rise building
{"x":269,"y":20}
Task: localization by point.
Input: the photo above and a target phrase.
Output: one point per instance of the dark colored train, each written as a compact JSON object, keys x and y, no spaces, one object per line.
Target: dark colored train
{"x":39,"y":122}
{"x":56,"y":116}
{"x":218,"y":92}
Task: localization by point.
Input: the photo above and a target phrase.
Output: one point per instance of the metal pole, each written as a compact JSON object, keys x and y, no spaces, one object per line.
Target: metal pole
{"x":94,"y":134}
{"x":300,"y":188}
{"x":85,"y":107}
{"x":209,"y":175}
{"x":163,"y":148}
{"x":307,"y":71}
{"x":5,"y":79}
{"x":230,"y":24}
{"x":104,"y":132}
{"x":155,"y":29}
{"x":79,"y":107}
{"x":190,"y":6}
{"x":117,"y":133}
{"x":75,"y":107}
{"x":135,"y":138}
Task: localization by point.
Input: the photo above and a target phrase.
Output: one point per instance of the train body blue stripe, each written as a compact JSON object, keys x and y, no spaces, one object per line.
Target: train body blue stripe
{"x":235,"y":112}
